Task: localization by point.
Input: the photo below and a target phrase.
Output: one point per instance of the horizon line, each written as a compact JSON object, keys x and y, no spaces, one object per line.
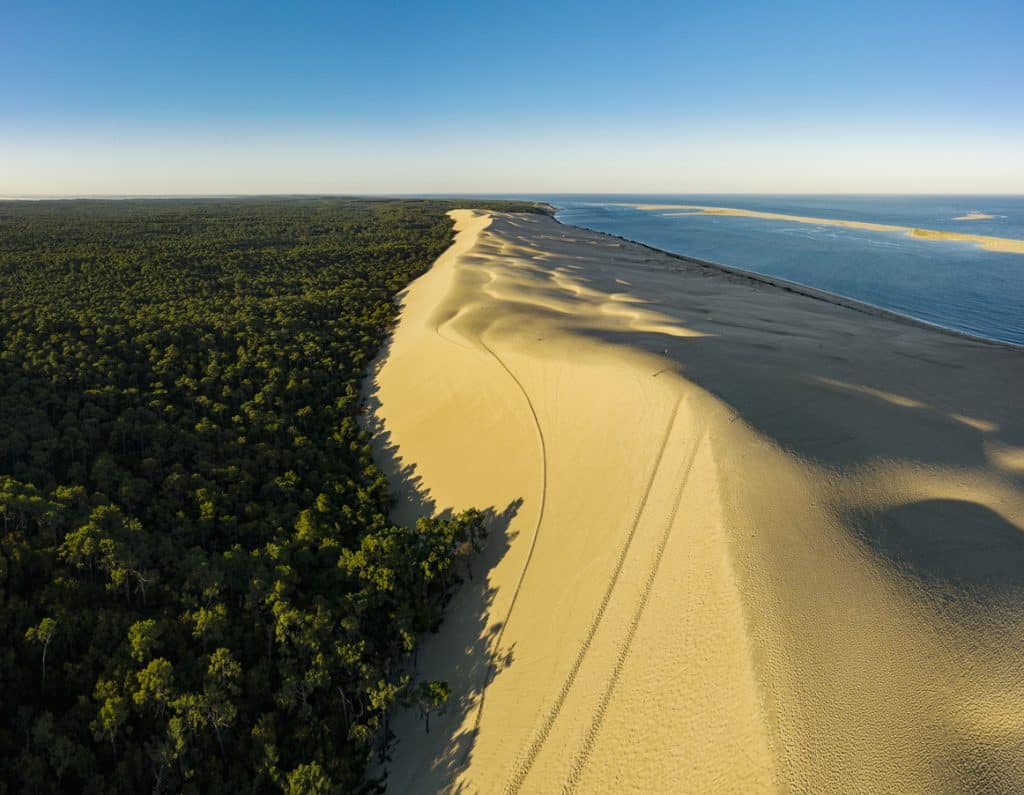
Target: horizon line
{"x":472,"y":194}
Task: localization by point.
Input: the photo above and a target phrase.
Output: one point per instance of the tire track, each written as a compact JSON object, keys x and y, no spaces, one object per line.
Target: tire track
{"x":590,"y":739}
{"x":523,"y":767}
{"x":533,"y":543}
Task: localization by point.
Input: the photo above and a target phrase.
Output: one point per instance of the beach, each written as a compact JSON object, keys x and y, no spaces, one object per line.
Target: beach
{"x":743,"y":539}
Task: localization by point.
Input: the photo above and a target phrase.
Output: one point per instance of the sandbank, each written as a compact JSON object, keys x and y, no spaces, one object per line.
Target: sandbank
{"x":1006,"y":245}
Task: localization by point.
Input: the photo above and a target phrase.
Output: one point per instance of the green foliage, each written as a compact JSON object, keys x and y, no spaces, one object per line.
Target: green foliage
{"x":430,"y":697}
{"x":200,"y":589}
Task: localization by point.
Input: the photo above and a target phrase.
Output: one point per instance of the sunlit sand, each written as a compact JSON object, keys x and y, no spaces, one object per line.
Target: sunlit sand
{"x":1007,"y":245}
{"x":743,"y":540}
{"x":973,"y":217}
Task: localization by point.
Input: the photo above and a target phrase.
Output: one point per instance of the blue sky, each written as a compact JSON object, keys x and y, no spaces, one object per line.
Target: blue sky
{"x":193,"y":97}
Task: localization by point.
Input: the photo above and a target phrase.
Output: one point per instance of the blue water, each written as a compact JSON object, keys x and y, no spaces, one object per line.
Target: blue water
{"x":955,"y":285}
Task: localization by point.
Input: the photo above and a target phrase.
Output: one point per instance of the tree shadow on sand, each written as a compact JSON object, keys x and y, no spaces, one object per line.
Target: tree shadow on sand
{"x":464,"y":653}
{"x":462,"y":650}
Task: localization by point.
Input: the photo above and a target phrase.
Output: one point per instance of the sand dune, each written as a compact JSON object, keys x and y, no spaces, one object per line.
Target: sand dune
{"x":1006,"y":245}
{"x":743,"y":540}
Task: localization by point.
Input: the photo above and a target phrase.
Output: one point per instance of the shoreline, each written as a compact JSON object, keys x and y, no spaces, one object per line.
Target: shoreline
{"x":803,"y":289}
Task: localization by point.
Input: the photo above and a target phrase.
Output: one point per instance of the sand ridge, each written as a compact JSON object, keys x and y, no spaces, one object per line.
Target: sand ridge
{"x":742,"y":540}
{"x":1006,"y":245}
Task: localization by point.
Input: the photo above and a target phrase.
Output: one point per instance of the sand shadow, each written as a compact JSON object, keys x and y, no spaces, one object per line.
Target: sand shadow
{"x":830,"y":383}
{"x":462,"y":649}
{"x":469,"y":670}
{"x":951,"y":543}
{"x":409,"y":497}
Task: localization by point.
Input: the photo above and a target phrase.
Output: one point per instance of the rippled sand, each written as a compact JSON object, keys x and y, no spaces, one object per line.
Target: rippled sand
{"x":742,"y":540}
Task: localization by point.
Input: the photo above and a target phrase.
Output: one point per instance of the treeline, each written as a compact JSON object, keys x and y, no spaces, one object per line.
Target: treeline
{"x":200,"y":589}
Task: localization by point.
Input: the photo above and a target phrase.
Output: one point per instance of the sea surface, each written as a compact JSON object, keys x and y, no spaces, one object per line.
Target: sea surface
{"x":955,"y":285}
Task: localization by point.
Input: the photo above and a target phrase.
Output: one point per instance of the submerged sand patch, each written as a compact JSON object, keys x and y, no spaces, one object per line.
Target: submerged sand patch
{"x":1006,"y":245}
{"x":743,"y":540}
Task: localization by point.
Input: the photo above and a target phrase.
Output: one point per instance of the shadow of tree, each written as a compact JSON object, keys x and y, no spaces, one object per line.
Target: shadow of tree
{"x":462,"y":652}
{"x":411,"y":499}
{"x":466,"y":627}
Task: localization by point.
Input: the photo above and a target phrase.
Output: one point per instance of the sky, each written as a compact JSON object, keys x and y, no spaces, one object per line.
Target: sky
{"x":529,"y":97}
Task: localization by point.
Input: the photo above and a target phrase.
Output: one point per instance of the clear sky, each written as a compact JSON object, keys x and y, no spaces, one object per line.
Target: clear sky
{"x":388,"y":97}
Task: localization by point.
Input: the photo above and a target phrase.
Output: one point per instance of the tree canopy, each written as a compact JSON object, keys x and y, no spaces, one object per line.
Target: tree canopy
{"x":200,"y":588}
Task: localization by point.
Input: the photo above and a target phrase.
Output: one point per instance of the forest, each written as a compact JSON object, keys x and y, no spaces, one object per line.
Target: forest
{"x":200,"y":588}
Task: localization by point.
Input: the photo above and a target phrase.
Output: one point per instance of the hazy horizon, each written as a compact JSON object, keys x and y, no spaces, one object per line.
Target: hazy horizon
{"x":311,"y":99}
{"x":477,"y":195}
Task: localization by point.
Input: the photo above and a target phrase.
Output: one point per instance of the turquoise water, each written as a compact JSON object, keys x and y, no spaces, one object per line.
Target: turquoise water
{"x":955,"y":285}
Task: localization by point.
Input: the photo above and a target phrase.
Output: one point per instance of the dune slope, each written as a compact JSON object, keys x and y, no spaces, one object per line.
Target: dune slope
{"x":742,"y":539}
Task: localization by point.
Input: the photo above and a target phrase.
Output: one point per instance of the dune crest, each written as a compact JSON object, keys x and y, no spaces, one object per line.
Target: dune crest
{"x":743,"y":540}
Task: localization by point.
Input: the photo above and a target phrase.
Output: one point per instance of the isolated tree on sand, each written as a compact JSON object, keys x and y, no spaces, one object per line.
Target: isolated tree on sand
{"x":430,"y":697}
{"x":471,"y":534}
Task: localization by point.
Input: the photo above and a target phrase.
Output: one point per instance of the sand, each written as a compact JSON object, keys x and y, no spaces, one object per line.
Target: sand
{"x":1006,"y":245}
{"x":743,"y":540}
{"x":973,"y":217}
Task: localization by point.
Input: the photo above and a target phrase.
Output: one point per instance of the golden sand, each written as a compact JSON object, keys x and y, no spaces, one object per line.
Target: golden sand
{"x":1007,"y":245}
{"x":742,"y":540}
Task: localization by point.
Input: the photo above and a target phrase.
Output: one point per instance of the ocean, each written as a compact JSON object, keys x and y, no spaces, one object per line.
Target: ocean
{"x":951,"y":284}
